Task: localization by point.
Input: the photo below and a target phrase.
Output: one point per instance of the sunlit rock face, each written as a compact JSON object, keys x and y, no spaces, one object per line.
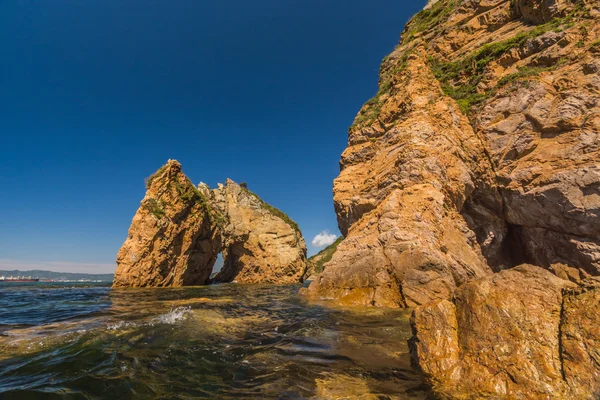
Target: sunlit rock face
{"x":480,"y":152}
{"x":260,"y":243}
{"x":179,"y":230}
{"x":521,"y":333}
{"x":470,"y":190}
{"x":173,"y":240}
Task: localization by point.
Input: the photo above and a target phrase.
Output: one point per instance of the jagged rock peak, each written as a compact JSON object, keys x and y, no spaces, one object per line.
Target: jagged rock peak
{"x":261,"y":244}
{"x":179,"y":230}
{"x":172,"y":240}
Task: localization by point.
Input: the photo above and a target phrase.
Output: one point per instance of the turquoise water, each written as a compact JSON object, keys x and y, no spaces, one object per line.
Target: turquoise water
{"x":215,"y":342}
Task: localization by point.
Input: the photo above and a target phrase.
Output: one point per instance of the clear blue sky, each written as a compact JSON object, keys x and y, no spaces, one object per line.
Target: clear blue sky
{"x":96,"y":95}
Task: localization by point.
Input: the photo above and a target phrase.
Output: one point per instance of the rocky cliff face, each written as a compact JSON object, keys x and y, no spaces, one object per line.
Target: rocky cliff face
{"x":479,"y":152}
{"x":173,"y":240}
{"x":179,"y":230}
{"x":521,"y":333}
{"x":260,"y":243}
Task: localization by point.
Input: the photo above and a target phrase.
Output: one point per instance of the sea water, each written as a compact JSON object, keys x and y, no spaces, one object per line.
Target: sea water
{"x":66,"y":341}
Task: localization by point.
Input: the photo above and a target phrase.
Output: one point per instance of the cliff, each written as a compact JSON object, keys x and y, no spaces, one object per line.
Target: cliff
{"x":179,"y":230}
{"x":470,"y":191}
{"x":478,"y":153}
{"x":522,"y":333}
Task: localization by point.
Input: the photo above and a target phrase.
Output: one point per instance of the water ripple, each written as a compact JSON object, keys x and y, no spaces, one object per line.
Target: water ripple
{"x":224,"y":342}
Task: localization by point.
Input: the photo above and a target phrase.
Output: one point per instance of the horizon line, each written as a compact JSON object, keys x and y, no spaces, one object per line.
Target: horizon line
{"x":58,"y":266}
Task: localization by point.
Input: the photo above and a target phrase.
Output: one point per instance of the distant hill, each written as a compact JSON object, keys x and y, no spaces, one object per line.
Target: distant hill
{"x":58,"y":275}
{"x":316,"y":263}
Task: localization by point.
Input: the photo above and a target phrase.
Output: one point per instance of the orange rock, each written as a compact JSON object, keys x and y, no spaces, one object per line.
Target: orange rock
{"x":179,"y":230}
{"x":172,"y":240}
{"x":260,"y":243}
{"x":478,"y":153}
{"x":521,"y":333}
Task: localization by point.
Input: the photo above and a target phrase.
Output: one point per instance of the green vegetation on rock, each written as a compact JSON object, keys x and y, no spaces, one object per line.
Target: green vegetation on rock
{"x":527,"y":71}
{"x":428,"y":19}
{"x":274,"y":211}
{"x":188,"y":192}
{"x":324,"y":256}
{"x":155,"y":207}
{"x":372,"y":108}
{"x":150,"y":179}
{"x":461,"y":79}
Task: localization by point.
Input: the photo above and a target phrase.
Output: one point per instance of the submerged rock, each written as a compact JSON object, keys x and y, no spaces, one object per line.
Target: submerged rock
{"x":260,"y":243}
{"x":173,"y":240}
{"x":521,"y":333}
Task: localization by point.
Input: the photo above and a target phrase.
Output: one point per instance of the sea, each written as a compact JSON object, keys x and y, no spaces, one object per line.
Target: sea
{"x":89,"y":341}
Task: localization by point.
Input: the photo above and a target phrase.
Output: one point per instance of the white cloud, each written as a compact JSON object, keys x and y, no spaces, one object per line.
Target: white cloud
{"x":324,"y":239}
{"x":57,"y":266}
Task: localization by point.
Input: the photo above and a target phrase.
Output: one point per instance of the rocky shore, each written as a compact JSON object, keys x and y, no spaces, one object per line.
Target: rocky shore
{"x":470,"y":192}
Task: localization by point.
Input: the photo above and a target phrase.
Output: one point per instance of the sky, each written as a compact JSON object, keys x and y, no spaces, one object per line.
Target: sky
{"x":97,"y":95}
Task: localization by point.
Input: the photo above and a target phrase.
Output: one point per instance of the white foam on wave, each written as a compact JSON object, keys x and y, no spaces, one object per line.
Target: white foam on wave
{"x":121,"y":325}
{"x":173,"y":317}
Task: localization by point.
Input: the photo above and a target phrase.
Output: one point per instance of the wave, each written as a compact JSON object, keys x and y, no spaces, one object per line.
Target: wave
{"x":173,"y":317}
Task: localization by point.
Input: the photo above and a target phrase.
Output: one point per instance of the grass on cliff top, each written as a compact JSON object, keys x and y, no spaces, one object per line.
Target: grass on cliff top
{"x":151,"y":178}
{"x":423,"y":21}
{"x":188,"y":193}
{"x":325,"y":255}
{"x":274,"y":211}
{"x":428,"y":19}
{"x":460,"y":79}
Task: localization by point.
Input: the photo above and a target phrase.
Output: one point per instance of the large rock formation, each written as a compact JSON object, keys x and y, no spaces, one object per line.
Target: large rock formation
{"x":479,"y":152}
{"x":521,"y":333}
{"x":179,"y":230}
{"x":173,"y":240}
{"x":260,"y":243}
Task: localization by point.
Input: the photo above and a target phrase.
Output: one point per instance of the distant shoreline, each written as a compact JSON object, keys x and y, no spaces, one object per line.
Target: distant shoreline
{"x":60,"y":276}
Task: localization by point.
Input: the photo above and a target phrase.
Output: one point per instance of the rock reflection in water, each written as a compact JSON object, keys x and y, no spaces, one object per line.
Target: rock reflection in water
{"x":223,"y":341}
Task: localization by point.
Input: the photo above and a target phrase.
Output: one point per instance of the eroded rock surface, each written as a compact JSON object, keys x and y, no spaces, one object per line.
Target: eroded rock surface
{"x":172,"y":240}
{"x":179,"y":230}
{"x":540,"y":11}
{"x":260,"y":243}
{"x":521,"y":333}
{"x":479,"y":152}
